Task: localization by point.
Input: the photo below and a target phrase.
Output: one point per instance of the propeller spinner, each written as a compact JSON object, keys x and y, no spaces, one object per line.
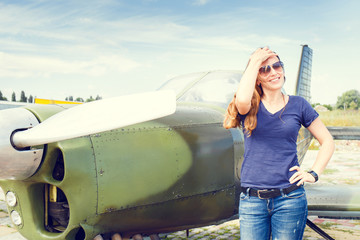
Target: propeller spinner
{"x":16,"y":164}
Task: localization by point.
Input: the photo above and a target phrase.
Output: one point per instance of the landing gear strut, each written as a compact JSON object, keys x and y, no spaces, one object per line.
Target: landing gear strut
{"x":318,"y":230}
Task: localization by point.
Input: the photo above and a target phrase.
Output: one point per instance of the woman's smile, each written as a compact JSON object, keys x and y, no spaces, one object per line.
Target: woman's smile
{"x":275,"y":80}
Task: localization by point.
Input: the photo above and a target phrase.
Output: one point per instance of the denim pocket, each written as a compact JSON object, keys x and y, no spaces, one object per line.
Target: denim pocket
{"x":298,"y":193}
{"x":243,"y":196}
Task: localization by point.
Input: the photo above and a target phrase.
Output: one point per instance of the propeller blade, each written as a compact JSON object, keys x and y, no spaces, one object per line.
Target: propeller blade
{"x":98,"y":116}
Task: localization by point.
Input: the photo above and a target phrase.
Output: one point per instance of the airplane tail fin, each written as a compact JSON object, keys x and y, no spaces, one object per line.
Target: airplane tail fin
{"x":303,"y":83}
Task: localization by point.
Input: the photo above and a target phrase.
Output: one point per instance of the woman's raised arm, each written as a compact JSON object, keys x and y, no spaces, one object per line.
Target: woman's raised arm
{"x":248,"y":80}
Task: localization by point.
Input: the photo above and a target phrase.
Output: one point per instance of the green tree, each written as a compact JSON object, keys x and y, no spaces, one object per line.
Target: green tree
{"x":30,"y":99}
{"x":347,"y":98}
{"x":328,"y":106}
{"x":23,"y":98}
{"x":2,"y":98}
{"x":353,"y":105}
{"x":98,"y":97}
{"x":90,"y":99}
{"x":315,"y":104}
{"x":13,"y":97}
{"x":79,"y":99}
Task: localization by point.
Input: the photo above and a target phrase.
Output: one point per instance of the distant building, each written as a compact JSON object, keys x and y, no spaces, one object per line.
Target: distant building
{"x":320,"y":108}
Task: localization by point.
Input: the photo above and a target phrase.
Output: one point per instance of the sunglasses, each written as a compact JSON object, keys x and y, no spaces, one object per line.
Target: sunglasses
{"x":266,"y":69}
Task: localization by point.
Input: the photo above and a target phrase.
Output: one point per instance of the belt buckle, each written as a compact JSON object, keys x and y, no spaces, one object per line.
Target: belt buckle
{"x":260,"y":191}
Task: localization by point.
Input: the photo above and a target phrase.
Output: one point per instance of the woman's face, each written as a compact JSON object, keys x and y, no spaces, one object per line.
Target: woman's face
{"x":271,"y":74}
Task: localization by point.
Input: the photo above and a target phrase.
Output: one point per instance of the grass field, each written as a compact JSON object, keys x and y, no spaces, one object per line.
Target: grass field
{"x":338,"y":118}
{"x":341,"y":118}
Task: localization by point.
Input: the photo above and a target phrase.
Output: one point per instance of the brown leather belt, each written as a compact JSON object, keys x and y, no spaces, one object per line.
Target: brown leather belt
{"x":269,"y":193}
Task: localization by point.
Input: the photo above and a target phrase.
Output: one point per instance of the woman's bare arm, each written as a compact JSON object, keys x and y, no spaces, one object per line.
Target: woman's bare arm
{"x":322,"y":134}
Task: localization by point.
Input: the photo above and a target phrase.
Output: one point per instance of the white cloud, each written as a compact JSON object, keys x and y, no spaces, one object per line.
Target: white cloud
{"x":201,"y":2}
{"x":26,"y":66}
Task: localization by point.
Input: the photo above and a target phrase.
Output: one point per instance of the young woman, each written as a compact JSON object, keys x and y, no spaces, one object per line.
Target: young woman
{"x":272,"y":200}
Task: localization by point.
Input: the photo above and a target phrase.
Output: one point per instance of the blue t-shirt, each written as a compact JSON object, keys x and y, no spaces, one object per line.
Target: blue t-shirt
{"x":271,"y":151}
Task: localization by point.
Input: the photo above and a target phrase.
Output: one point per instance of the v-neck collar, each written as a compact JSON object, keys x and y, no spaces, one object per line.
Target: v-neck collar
{"x":275,"y":113}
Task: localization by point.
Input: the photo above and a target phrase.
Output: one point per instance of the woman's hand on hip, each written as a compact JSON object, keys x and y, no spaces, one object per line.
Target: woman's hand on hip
{"x":300,"y":176}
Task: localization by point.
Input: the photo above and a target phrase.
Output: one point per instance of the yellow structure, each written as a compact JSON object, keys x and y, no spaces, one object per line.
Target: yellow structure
{"x":50,"y":101}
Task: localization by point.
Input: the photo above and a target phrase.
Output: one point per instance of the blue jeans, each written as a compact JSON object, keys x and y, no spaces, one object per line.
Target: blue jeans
{"x":283,"y":217}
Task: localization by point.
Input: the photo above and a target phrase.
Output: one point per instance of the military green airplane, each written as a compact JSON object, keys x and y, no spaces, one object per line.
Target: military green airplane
{"x":141,"y":164}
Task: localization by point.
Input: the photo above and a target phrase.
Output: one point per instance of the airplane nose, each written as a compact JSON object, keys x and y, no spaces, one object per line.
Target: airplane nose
{"x":17,"y":164}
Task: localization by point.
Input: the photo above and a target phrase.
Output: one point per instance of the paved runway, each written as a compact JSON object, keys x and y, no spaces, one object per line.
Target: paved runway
{"x":344,"y":168}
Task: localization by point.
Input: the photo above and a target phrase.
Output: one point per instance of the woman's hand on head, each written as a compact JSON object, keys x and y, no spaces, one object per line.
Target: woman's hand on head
{"x":300,"y":176}
{"x":261,"y":55}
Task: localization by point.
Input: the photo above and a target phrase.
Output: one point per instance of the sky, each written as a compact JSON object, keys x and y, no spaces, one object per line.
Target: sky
{"x":55,"y":49}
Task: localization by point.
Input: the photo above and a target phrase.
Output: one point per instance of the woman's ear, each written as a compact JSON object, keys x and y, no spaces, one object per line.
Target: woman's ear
{"x":258,"y":82}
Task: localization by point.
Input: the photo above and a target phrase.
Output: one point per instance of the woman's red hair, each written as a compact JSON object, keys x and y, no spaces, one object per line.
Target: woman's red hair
{"x":232,"y":119}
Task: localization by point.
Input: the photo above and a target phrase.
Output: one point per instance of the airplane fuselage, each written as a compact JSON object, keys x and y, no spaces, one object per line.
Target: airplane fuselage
{"x":183,"y":168}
